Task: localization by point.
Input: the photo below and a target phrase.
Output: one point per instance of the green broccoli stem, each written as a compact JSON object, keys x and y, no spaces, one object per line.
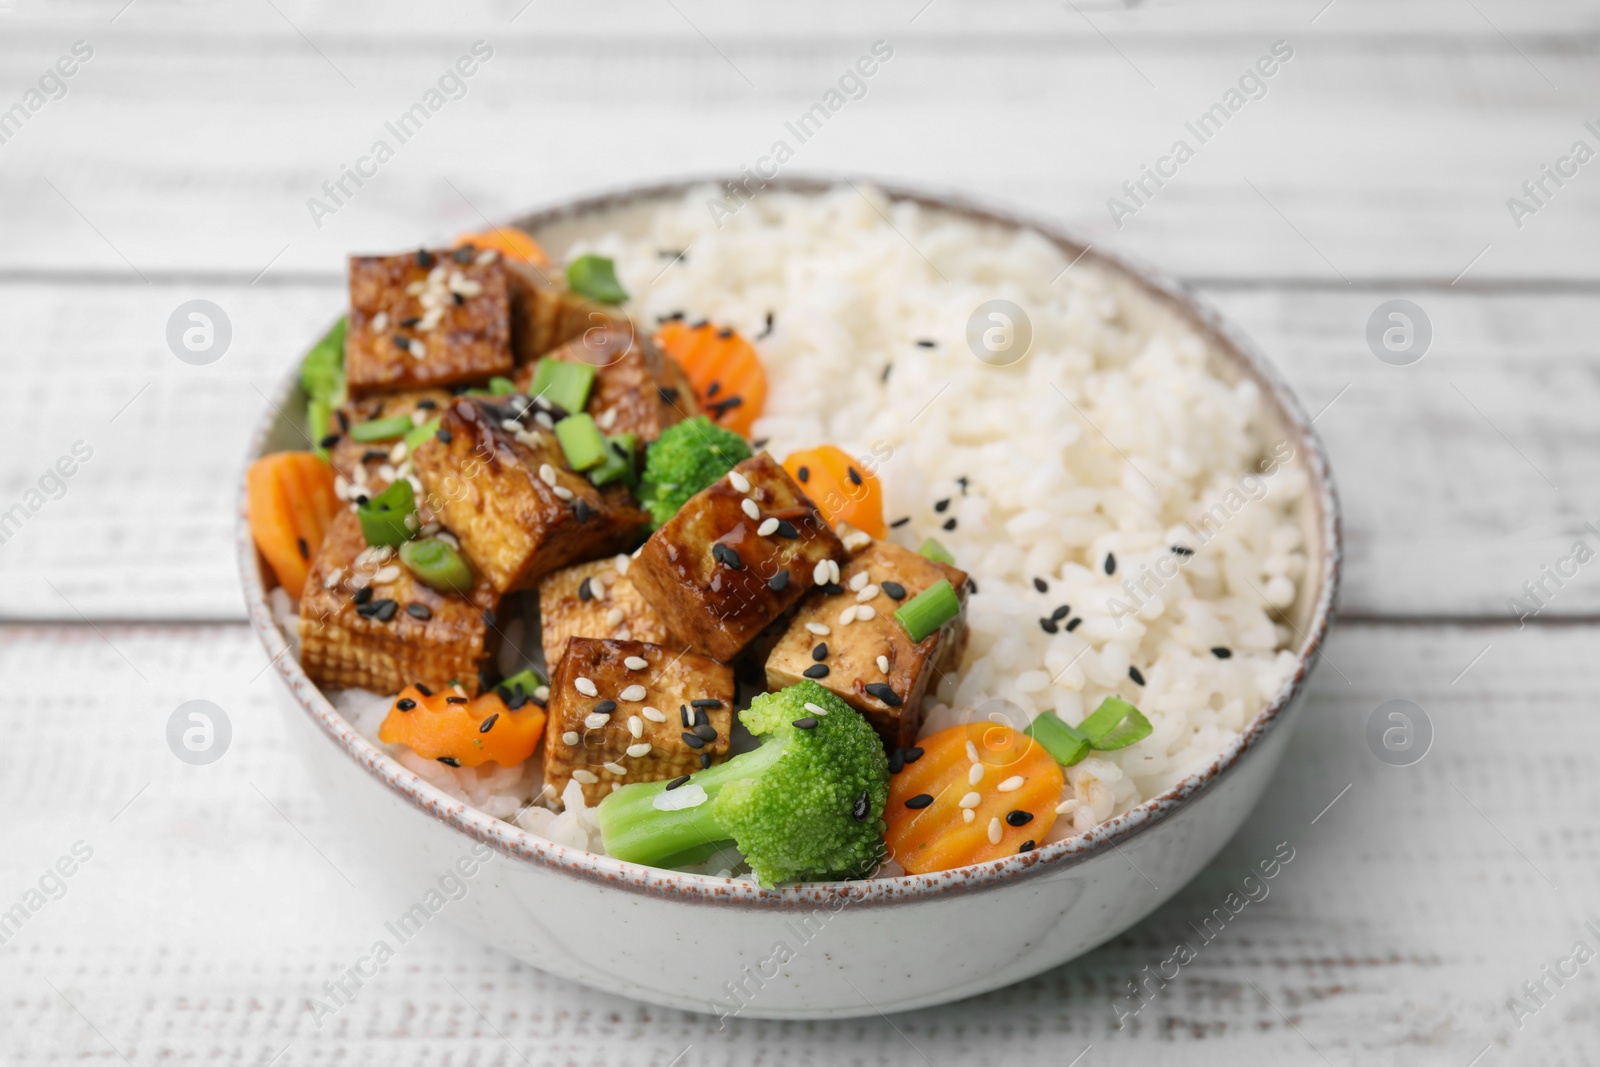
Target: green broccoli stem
{"x":635,"y":831}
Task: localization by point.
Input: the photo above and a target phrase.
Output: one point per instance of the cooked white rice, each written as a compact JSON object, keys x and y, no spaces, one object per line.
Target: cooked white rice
{"x":1113,"y":437}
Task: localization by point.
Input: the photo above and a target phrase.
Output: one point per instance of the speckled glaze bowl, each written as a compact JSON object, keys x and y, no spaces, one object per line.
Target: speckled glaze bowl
{"x":826,"y":949}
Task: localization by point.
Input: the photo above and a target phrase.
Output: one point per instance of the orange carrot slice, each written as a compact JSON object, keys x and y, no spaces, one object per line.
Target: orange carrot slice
{"x":1017,"y":793}
{"x":509,"y":242}
{"x":291,"y":500}
{"x":464,"y":733}
{"x":842,"y":489}
{"x":728,"y":379}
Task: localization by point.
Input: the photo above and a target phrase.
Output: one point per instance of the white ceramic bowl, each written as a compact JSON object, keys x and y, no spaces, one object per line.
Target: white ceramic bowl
{"x":829,"y":949}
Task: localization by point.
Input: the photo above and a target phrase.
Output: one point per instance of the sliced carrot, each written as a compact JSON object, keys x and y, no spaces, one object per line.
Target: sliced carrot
{"x":938,"y":837}
{"x":291,"y":502}
{"x":841,"y":487}
{"x":434,"y":728}
{"x":728,"y":379}
{"x":509,"y":242}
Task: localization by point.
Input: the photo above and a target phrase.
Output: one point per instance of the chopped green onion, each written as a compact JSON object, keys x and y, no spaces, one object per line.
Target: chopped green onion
{"x":930,"y":609}
{"x":322,"y":369}
{"x":526,"y":680}
{"x":1066,"y":745}
{"x":596,"y":278}
{"x":582,"y":441}
{"x":564,"y":383}
{"x":419,"y":434}
{"x":319,"y":411}
{"x":383,"y":518}
{"x":380,"y":429}
{"x":437,"y":565}
{"x":1115,"y":724}
{"x":618,"y":463}
{"x":933,"y":550}
{"x":499,"y":386}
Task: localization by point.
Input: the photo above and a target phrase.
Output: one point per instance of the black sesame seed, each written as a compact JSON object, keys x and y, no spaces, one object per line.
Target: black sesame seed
{"x":459,"y":299}
{"x":424,"y":258}
{"x":488,"y":724}
{"x":402,"y":343}
{"x":816,"y":670}
{"x":1041,"y":585}
{"x":820,"y":652}
{"x":1060,"y":613}
{"x":726,"y":555}
{"x":863,"y":805}
{"x":424,"y":690}
{"x":963,"y":481}
{"x":584,"y":590}
{"x":786,"y":529}
{"x":1026,"y":846}
{"x":605,"y":707}
{"x":725,"y":333}
{"x":419,"y":611}
{"x":329,"y":441}
{"x":582,"y":509}
{"x":1133,"y":672}
{"x":713,"y":389}
{"x":443,"y":435}
{"x":706,"y":702}
{"x":884,"y":692}
{"x":373,"y":455}
{"x":807,"y":723}
{"x":361,"y":498}
{"x":488,"y":617}
{"x":692,"y":740}
{"x":667,"y":394}
{"x":683,"y":716}
{"x":462,"y":254}
{"x":768,"y":330}
{"x":923,"y":342}
{"x":757,"y":443}
{"x":1182,"y":550}
{"x":972,"y":585}
{"x":893,"y":590}
{"x":853,"y":474}
{"x":455,"y":700}
{"x":921,"y":800}
{"x":700,"y":717}
{"x":305,"y":549}
{"x":722,"y":407}
{"x":1018,"y":818}
{"x":778,"y":582}
{"x":897,"y":761}
{"x":942,"y":506}
{"x":344,"y":420}
{"x":427,"y":404}
{"x":676,"y":782}
{"x":405,"y":703}
{"x":383,"y":610}
{"x":411,"y":322}
{"x":913,"y":754}
{"x":1222,"y":653}
{"x":901,"y":521}
{"x":1111,"y":563}
{"x":1073,"y":624}
{"x":887,"y":367}
{"x":706,"y":732}
{"x":449,"y":761}
{"x":1048,"y":625}
{"x":831,"y":588}
{"x":950,"y":523}
{"x":705,"y":760}
{"x":804,"y":474}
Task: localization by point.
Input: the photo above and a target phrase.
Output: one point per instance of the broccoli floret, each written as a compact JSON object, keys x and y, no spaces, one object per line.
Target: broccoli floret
{"x":685,"y":459}
{"x":807,"y":804}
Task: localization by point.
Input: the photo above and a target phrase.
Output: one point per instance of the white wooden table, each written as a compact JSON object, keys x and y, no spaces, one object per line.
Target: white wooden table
{"x":1377,"y":166}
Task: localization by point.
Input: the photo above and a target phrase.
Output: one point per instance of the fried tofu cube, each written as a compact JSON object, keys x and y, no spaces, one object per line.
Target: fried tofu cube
{"x":545,"y":313}
{"x":400,"y":633}
{"x":631,"y":711}
{"x":597,"y":600}
{"x":425,"y":319}
{"x":830,"y":643}
{"x":638,"y":389}
{"x":368,"y":467}
{"x":504,"y":489}
{"x":735,"y":557}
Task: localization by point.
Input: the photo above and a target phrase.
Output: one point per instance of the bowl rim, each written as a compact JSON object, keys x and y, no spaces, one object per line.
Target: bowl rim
{"x":511,"y":840}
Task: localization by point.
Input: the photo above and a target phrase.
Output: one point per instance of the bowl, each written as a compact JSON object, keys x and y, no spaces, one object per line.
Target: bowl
{"x":823,"y":949}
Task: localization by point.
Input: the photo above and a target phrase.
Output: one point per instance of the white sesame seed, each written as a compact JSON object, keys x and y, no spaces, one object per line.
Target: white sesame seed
{"x":768,"y":527}
{"x":1067,"y":807}
{"x":866,"y":612}
{"x":419,"y":351}
{"x":429,"y":529}
{"x":571,"y":737}
{"x":333,"y":578}
{"x":542,"y":694}
{"x":449,"y":538}
{"x":386,"y":574}
{"x":510,"y":425}
{"x":411,"y":290}
{"x":750,"y":508}
{"x":847,"y":616}
{"x":819,"y":573}
{"x":596,"y":721}
{"x":386,"y":471}
{"x":653,"y":714}
{"x":635,"y":726}
{"x":614,"y":617}
{"x":971,"y":800}
{"x":341,"y":487}
{"x":859,"y":581}
{"x":562,"y":492}
{"x":587,"y":688}
{"x":547,"y":474}
{"x":995,"y":830}
{"x":621,"y":562}
{"x":632,"y":693}
{"x":486,"y":257}
{"x":1012,"y":784}
{"x":866,"y":593}
{"x":641,"y":749}
{"x":543,"y":419}
{"x":883,"y":664}
{"x":972,"y":752}
{"x":969,"y":816}
{"x":856,"y":539}
{"x":614,"y":768}
{"x":833,"y":570}
{"x":820,"y":629}
{"x":740,"y":483}
{"x":380,"y":322}
{"x":636,"y":663}
{"x":411,"y":521}
{"x":816,"y":709}
{"x":975,"y":774}
{"x":419,"y":416}
{"x":467,"y":287}
{"x":607,"y":419}
{"x":584,"y":777}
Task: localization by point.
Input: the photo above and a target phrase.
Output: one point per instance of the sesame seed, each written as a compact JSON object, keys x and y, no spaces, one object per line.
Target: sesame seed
{"x":1019,"y":818}
{"x":386,"y":574}
{"x":749,"y":507}
{"x":571,"y":738}
{"x":639,"y":750}
{"x":1041,"y":585}
{"x":596,"y":720}
{"x":816,"y":670}
{"x":739,"y":482}
{"x":683,"y":716}
{"x":705,"y":760}
{"x":853,"y":474}
{"x":632,"y":693}
{"x":635,"y":726}
{"x":1222,"y":653}
{"x":455,"y":699}
{"x":582,"y":510}
{"x":948,"y":524}
{"x":833,"y":570}
{"x":847,"y":616}
{"x":606,"y":707}
{"x":942,"y":506}
{"x":968,"y":815}
{"x":547,"y":474}
{"x":778,"y":582}
{"x":585,"y":686}
{"x":912,"y":754}
{"x":1012,"y":784}
{"x":727,"y":555}
{"x":424,"y":690}
{"x":971,"y":800}
{"x":614,"y":768}
{"x":894,"y":590}
{"x":786,"y":529}
{"x":883,"y":664}
{"x":975,"y":774}
{"x":488,"y":723}
{"x":820,"y":651}
{"x":866,"y":612}
{"x":820,"y":573}
{"x":995,"y":830}
{"x":1138,"y":678}
{"x":419,"y":611}
{"x":921,"y":800}
{"x":1073,"y":625}
{"x":405,"y":703}
{"x":859,"y":581}
{"x":705,"y":702}
{"x":676,"y":782}
{"x":635,"y":663}
{"x":562,"y":492}
{"x":1060,"y":613}
{"x":768,"y":526}
{"x":816,"y":709}
{"x":972,"y":752}
{"x":1027,"y":846}
{"x":862,"y":807}
{"x":820,"y":629}
{"x":1182,"y":550}
{"x":449,"y":761}
{"x":807,"y":723}
{"x":1048,"y":626}
{"x":653,"y":714}
{"x":614,"y":617}
{"x":1111,"y":563}
{"x":866,"y":593}
{"x":804,"y":474}
{"x":692,"y":740}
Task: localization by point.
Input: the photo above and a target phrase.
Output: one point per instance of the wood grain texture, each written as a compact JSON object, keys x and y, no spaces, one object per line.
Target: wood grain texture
{"x":222,"y":897}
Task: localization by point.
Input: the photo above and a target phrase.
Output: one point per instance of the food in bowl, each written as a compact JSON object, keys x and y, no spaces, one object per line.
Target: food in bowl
{"x":722,"y":547}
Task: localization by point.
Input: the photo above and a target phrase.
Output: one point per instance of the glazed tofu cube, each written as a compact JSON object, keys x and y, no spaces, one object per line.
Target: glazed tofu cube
{"x":594,"y":600}
{"x":545,"y":313}
{"x":735,"y":557}
{"x":399,"y":632}
{"x":425,"y":319}
{"x":368,"y":467}
{"x":844,"y":640}
{"x":630,"y":711}
{"x":638,"y":389}
{"x":503,"y":487}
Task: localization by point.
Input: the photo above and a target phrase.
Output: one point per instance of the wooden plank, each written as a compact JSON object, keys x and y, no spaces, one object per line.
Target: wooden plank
{"x":1418,"y":901}
{"x":1442,"y":465}
{"x":1325,"y":177}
